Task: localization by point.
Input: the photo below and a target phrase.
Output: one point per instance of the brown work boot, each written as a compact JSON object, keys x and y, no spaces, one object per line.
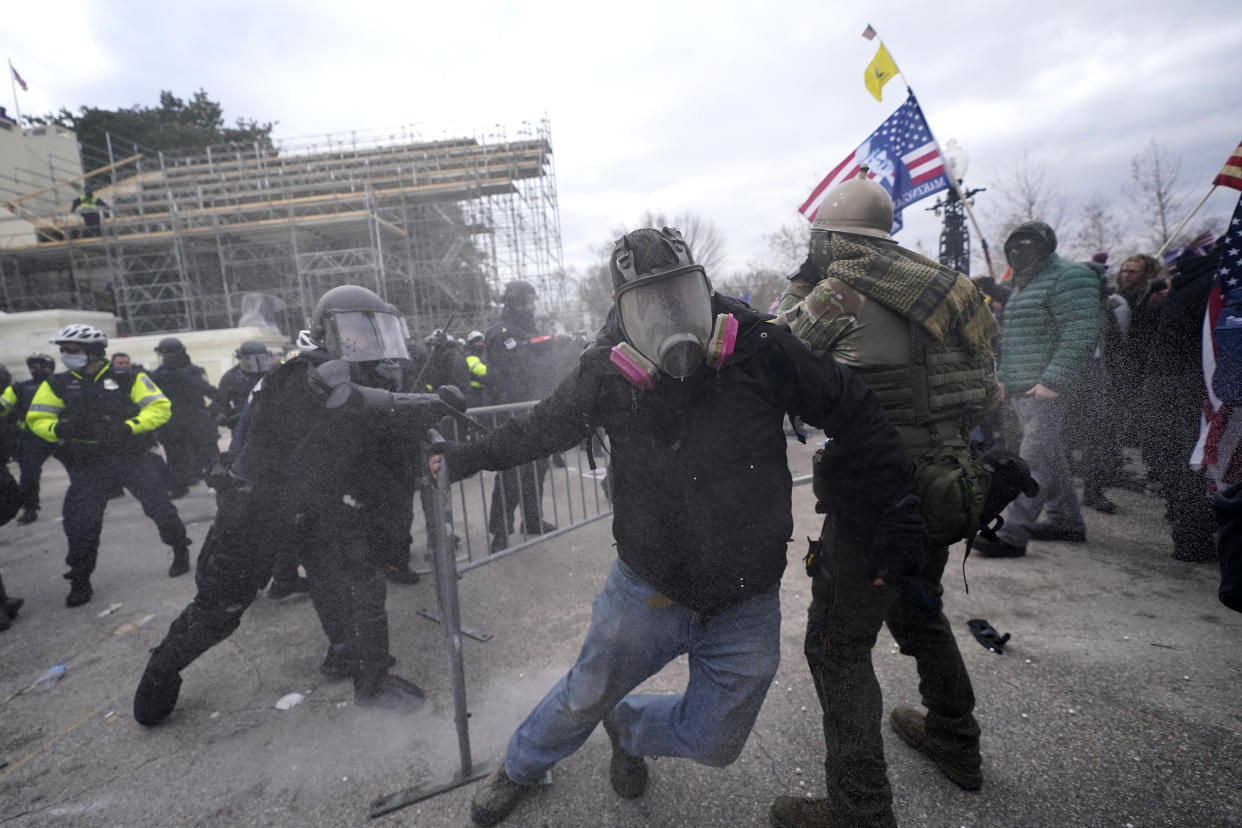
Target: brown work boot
{"x":800,"y":812}
{"x":495,"y":797}
{"x":964,"y":768}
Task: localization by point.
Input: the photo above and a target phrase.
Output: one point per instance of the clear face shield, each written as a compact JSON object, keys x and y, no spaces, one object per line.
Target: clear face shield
{"x":365,"y":336}
{"x":668,"y":318}
{"x":255,"y":363}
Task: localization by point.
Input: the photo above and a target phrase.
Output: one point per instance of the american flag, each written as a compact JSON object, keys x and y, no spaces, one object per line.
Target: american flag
{"x":20,"y":81}
{"x":903,"y":157}
{"x":1219,"y":432}
{"x":1231,"y":173}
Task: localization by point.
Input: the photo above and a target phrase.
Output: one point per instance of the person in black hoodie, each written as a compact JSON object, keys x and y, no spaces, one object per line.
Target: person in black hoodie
{"x":692,"y":388}
{"x":1173,"y":392}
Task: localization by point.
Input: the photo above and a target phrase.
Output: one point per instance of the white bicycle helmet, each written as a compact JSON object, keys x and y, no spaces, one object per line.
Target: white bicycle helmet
{"x":83,"y":335}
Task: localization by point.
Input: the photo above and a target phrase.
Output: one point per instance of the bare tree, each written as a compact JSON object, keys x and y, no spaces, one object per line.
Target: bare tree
{"x":1027,"y":192}
{"x":706,"y":243}
{"x":1097,"y":231}
{"x":1157,"y":192}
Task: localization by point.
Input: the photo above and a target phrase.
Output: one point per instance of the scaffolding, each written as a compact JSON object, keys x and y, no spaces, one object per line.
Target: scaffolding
{"x":435,"y":227}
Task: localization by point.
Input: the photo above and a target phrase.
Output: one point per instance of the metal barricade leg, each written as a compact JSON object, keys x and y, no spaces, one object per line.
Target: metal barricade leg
{"x":444,"y":563}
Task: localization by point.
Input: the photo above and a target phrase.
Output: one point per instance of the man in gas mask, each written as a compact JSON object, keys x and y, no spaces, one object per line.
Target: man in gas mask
{"x":189,"y":437}
{"x":692,"y":388}
{"x":1052,"y":323}
{"x":322,"y":473}
{"x":920,"y":335}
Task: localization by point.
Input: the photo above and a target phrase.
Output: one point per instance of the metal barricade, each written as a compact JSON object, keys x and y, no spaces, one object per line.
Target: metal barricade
{"x":572,"y":495}
{"x":489,"y":513}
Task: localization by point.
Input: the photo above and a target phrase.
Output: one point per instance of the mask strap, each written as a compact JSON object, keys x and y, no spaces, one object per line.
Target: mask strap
{"x":640,"y":371}
{"x":720,"y":346}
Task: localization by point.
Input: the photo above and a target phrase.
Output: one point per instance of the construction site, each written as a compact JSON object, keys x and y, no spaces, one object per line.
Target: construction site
{"x":230,"y":235}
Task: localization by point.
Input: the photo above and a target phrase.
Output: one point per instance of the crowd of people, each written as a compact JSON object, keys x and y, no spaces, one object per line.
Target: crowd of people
{"x":923,"y":397}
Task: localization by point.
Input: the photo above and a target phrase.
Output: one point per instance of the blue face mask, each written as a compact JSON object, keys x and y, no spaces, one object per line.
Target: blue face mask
{"x":74,"y":361}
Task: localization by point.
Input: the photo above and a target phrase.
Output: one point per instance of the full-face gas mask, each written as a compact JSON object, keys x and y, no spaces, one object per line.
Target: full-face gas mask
{"x":664,"y":305}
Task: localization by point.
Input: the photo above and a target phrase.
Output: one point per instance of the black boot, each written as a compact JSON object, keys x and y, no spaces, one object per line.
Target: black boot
{"x":79,"y":592}
{"x":388,"y":692}
{"x":157,"y":693}
{"x":181,"y":561}
{"x":29,"y":515}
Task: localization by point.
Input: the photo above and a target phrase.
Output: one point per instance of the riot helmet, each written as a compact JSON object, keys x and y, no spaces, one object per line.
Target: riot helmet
{"x":860,"y":206}
{"x":663,"y":299}
{"x":253,"y":357}
{"x":353,"y":324}
{"x":474,"y":338}
{"x":518,"y":292}
{"x":172,"y":352}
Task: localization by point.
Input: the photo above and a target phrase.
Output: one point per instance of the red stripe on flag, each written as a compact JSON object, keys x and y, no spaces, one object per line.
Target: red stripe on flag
{"x":823,"y":185}
{"x":922,"y":159}
{"x":1223,"y":180}
{"x":939,"y":170}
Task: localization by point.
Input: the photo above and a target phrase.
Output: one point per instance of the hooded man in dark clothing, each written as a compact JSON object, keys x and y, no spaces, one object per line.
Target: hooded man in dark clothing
{"x":692,"y":388}
{"x":1173,"y":393}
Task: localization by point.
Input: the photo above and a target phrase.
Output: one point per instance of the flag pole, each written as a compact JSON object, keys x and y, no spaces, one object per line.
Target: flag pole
{"x":13,"y":82}
{"x":983,"y":241}
{"x":1170,"y":239}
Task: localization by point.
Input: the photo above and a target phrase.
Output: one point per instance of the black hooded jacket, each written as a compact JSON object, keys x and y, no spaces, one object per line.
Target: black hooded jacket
{"x":700,"y":478}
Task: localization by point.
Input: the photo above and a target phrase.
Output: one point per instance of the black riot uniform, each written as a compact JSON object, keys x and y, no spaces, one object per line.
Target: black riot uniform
{"x":189,"y":437}
{"x":253,"y":361}
{"x":513,"y":375}
{"x":323,"y":475}
{"x":31,"y":451}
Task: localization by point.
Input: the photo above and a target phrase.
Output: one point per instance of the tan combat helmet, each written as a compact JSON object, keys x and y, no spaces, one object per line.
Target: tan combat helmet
{"x":859,"y":206}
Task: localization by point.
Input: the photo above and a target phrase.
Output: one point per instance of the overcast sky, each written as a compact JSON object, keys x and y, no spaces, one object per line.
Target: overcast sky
{"x":732,"y":110}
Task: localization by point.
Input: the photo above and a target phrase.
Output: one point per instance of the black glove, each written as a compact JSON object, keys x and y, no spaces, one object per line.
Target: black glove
{"x":114,"y":432}
{"x":987,"y":635}
{"x":452,"y":396}
{"x":227,"y":420}
{"x":68,"y":428}
{"x":897,"y":549}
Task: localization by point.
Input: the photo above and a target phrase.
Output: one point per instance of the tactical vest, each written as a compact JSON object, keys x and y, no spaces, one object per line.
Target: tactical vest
{"x":933,"y":391}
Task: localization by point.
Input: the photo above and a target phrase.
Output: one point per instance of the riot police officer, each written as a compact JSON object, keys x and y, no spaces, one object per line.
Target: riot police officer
{"x":189,"y":437}
{"x":253,"y":361}
{"x":510,"y":355}
{"x":31,"y":451}
{"x":323,"y":475}
{"x":100,"y":422}
{"x":477,"y":368}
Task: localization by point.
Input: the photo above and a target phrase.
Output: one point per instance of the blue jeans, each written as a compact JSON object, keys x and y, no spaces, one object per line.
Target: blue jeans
{"x":733,"y":658}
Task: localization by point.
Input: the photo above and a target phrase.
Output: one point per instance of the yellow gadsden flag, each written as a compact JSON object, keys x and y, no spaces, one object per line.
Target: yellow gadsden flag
{"x":880,"y":71}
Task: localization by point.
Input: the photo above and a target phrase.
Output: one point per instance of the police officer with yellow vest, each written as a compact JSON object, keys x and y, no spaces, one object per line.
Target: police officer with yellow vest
{"x":477,"y":368}
{"x":31,"y":451}
{"x":89,"y":206}
{"x":920,"y":336}
{"x":100,"y":422}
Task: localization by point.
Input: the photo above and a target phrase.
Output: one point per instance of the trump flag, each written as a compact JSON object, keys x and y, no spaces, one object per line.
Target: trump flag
{"x":902,"y":156}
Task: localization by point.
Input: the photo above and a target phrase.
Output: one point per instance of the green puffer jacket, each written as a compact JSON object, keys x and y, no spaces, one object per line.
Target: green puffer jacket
{"x":1051,"y":327}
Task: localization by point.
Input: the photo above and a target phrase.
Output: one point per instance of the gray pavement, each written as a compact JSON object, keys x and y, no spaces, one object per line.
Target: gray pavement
{"x":1115,"y":704}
